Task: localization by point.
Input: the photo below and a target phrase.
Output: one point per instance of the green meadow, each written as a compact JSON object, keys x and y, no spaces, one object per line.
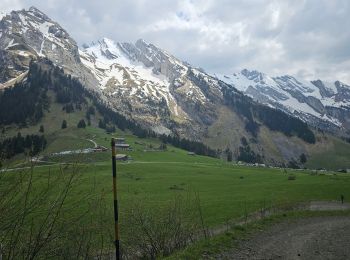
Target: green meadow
{"x":154,"y":178}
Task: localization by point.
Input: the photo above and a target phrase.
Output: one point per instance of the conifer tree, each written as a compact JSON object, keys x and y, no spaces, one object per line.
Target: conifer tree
{"x":64,"y":124}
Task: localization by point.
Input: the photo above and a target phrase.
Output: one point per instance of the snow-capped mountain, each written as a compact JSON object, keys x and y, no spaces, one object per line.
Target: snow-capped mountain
{"x":27,"y":35}
{"x":322,"y":104}
{"x":147,"y":82}
{"x":162,"y":93}
{"x":139,"y":80}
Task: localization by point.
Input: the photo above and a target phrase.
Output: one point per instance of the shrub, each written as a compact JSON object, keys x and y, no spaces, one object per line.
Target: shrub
{"x":292,"y":177}
{"x":163,"y":230}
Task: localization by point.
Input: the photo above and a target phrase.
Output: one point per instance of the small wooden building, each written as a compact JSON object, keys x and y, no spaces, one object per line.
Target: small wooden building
{"x":122,"y":146}
{"x":100,"y":148}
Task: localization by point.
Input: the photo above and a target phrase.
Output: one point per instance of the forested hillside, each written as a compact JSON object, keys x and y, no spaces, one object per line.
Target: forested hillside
{"x":46,"y":84}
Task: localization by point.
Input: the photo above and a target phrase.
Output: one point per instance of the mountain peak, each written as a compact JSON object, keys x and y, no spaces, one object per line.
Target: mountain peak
{"x":141,"y":41}
{"x":34,"y":9}
{"x":107,"y":40}
{"x":31,"y":33}
{"x":253,"y":74}
{"x":107,"y":43}
{"x":36,"y":12}
{"x":2,"y":14}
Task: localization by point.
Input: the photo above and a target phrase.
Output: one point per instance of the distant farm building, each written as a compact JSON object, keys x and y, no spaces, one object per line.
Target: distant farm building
{"x":191,"y":153}
{"x":100,"y":148}
{"x":120,"y":140}
{"x":120,"y":143}
{"x":122,"y":146}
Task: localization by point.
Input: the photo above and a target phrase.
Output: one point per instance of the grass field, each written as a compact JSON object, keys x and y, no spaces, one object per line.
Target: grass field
{"x":223,"y":188}
{"x":226,"y":191}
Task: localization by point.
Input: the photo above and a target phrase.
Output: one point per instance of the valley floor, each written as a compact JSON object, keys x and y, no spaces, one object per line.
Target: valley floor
{"x":151,"y":181}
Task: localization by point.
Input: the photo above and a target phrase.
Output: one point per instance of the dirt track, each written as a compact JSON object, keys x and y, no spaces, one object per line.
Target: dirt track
{"x":310,"y":238}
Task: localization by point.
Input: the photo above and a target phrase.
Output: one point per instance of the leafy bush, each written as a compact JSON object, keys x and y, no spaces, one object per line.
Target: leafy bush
{"x":161,"y":231}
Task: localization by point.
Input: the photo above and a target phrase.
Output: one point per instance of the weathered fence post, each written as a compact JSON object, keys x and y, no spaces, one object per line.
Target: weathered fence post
{"x":116,"y":224}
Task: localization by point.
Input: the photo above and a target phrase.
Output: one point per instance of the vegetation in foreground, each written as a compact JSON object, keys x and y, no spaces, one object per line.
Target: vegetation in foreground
{"x":155,"y":184}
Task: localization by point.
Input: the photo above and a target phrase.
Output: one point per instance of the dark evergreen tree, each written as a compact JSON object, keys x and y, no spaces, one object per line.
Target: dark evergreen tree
{"x":64,"y":124}
{"x":163,"y":146}
{"x":41,"y":129}
{"x":229,"y":156}
{"x":27,"y":100}
{"x":244,"y":141}
{"x":293,"y":164}
{"x":18,"y":144}
{"x":69,"y":108}
{"x":90,"y":110}
{"x":81,"y":124}
{"x":101,"y":124}
{"x":303,"y":158}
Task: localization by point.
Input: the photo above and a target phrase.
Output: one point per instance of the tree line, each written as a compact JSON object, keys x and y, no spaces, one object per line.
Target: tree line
{"x":26,"y":101}
{"x":33,"y":144}
{"x":70,"y":92}
{"x":274,"y":119}
{"x":193,"y":146}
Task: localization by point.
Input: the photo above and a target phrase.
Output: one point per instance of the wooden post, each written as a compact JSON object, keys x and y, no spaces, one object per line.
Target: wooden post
{"x":116,"y":224}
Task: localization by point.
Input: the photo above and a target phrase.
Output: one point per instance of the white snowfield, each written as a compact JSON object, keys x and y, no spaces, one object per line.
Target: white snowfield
{"x":108,"y":57}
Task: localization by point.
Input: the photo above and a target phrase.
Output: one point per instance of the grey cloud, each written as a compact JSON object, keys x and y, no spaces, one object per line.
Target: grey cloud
{"x":307,"y":38}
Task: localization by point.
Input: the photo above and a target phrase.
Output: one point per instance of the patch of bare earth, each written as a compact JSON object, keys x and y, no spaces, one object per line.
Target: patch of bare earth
{"x":309,"y":238}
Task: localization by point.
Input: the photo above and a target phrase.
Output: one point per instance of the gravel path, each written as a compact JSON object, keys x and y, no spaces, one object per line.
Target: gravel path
{"x":93,"y":142}
{"x":309,"y":238}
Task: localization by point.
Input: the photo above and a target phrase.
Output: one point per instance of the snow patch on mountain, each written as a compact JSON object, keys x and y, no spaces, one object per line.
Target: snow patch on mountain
{"x":2,"y":14}
{"x":297,"y":97}
{"x":123,"y":75}
{"x":108,"y":57}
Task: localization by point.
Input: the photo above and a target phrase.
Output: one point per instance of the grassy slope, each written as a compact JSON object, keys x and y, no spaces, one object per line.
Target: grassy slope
{"x":333,"y":154}
{"x":223,"y":194}
{"x":329,"y":152}
{"x":222,"y":191}
{"x":225,"y":190}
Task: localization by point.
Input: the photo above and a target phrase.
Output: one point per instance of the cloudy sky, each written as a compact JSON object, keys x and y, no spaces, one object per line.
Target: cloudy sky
{"x":304,"y":38}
